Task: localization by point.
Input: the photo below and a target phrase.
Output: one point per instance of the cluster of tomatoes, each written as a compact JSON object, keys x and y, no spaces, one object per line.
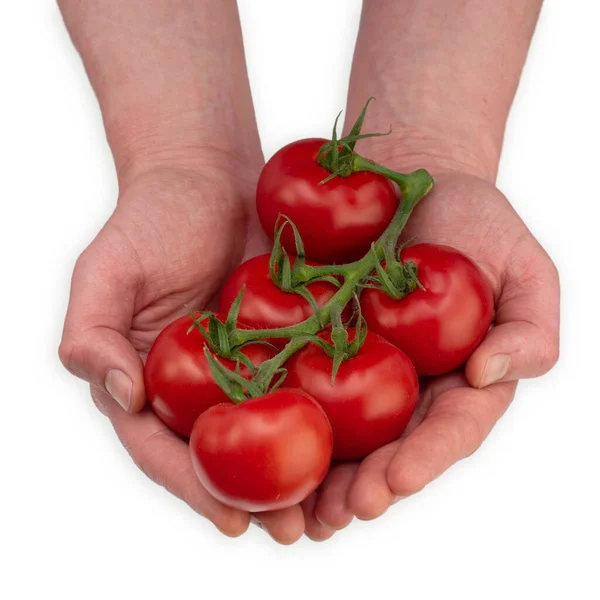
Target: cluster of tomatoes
{"x":339,"y":388}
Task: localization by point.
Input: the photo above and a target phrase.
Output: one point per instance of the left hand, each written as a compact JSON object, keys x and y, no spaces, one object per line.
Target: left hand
{"x":457,"y":411}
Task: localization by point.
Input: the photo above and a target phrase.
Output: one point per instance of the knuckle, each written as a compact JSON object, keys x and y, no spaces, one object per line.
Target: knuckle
{"x":67,"y":353}
{"x":550,"y":355}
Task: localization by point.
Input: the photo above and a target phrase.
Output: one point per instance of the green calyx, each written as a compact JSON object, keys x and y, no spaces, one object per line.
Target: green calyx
{"x":396,"y":279}
{"x":337,"y":155}
{"x":291,"y":275}
{"x":341,"y":348}
{"x":380,"y":268}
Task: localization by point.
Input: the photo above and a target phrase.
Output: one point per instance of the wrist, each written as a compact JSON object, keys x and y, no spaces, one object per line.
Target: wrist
{"x":199,"y":135}
{"x":433,"y":146}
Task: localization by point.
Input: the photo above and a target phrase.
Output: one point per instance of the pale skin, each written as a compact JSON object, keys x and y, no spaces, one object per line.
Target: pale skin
{"x":174,"y":94}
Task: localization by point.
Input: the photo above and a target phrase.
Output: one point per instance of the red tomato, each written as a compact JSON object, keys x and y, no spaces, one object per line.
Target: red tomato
{"x":264,"y":305}
{"x":266,"y":453}
{"x":440,"y":326}
{"x":177,"y":377}
{"x":372,"y":400}
{"x":338,"y":220}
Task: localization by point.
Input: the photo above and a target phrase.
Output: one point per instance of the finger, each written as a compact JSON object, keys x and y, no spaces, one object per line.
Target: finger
{"x":94,"y":344}
{"x":369,"y":495}
{"x":456,"y":425}
{"x":332,"y":509}
{"x":165,"y":458}
{"x":285,"y":526}
{"x":312,"y":528}
{"x":524,"y":342}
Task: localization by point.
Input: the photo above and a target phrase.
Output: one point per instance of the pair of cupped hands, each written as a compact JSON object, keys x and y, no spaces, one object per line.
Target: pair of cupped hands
{"x":185,"y":219}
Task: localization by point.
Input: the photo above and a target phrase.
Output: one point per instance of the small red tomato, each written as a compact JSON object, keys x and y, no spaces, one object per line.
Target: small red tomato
{"x":266,"y":453}
{"x":440,"y":326}
{"x":178,"y":380}
{"x":372,"y":400}
{"x":337,"y":220}
{"x":264,"y":305}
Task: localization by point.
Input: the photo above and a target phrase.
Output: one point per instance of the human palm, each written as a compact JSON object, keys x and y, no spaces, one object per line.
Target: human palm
{"x":456,"y":411}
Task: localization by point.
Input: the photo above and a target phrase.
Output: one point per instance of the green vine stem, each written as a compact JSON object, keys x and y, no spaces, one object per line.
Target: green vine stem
{"x":338,"y":157}
{"x":414,"y":186}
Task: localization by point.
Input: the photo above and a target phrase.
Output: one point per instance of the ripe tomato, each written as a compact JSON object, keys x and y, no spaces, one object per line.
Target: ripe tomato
{"x":440,"y":326}
{"x":177,"y":376}
{"x":338,"y":220}
{"x":372,"y":400}
{"x":266,"y":453}
{"x":264,"y":305}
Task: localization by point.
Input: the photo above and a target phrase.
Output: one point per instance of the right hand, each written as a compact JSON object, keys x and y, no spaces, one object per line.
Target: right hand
{"x":172,"y":239}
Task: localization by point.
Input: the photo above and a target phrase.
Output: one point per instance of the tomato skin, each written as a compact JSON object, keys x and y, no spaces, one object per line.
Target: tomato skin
{"x":372,"y":400}
{"x":177,"y":376}
{"x":264,"y":305}
{"x":440,"y":326}
{"x":338,"y":220}
{"x":266,"y":453}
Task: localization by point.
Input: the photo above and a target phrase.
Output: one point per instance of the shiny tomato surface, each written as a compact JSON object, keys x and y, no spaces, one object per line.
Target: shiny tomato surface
{"x":440,"y":326}
{"x":337,"y":220}
{"x":266,"y":453}
{"x":264,"y":305}
{"x":177,"y":376}
{"x":372,"y":400}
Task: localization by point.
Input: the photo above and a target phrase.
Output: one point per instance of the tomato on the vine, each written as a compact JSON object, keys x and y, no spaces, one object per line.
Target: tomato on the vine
{"x":338,"y":220}
{"x":373,"y":397}
{"x":438,"y":327}
{"x":178,"y":380}
{"x":264,"y":305}
{"x":266,"y":453}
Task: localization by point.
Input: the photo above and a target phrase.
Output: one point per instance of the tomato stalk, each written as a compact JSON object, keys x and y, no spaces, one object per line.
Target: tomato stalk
{"x":339,"y":158}
{"x":414,"y":187}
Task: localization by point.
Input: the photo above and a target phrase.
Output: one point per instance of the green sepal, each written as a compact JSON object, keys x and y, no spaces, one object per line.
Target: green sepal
{"x":386,"y":283}
{"x":328,"y":278}
{"x":356,"y":128}
{"x":241,"y":358}
{"x":280,"y":264}
{"x":307,"y":295}
{"x":261,"y":343}
{"x":234,"y":311}
{"x":361,"y":333}
{"x":282,"y":375}
{"x":232,"y":383}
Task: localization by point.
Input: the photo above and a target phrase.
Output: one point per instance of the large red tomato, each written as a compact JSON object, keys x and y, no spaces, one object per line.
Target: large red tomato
{"x":338,"y":220}
{"x":266,"y":453}
{"x":372,"y":400}
{"x":177,"y":376}
{"x":264,"y":305}
{"x":440,"y":326}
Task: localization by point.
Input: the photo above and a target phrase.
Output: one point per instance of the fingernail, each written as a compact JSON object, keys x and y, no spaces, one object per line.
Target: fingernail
{"x":495,"y":369}
{"x":119,"y":386}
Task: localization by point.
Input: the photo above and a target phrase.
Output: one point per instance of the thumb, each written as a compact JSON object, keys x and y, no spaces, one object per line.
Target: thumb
{"x":94,"y":345}
{"x":524,"y":342}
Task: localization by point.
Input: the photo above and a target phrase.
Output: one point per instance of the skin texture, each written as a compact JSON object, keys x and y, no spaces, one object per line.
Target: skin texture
{"x":267,"y":453}
{"x":182,"y":131}
{"x":264,"y":305}
{"x":351,"y":212}
{"x":177,"y":376}
{"x":446,"y":91}
{"x":439,"y":326}
{"x":372,"y":400}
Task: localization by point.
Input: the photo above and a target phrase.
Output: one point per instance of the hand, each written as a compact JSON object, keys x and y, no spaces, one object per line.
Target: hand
{"x":173,"y":237}
{"x":457,"y":411}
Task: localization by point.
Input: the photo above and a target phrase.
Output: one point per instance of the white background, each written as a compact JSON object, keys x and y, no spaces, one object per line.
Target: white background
{"x":519,"y":519}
